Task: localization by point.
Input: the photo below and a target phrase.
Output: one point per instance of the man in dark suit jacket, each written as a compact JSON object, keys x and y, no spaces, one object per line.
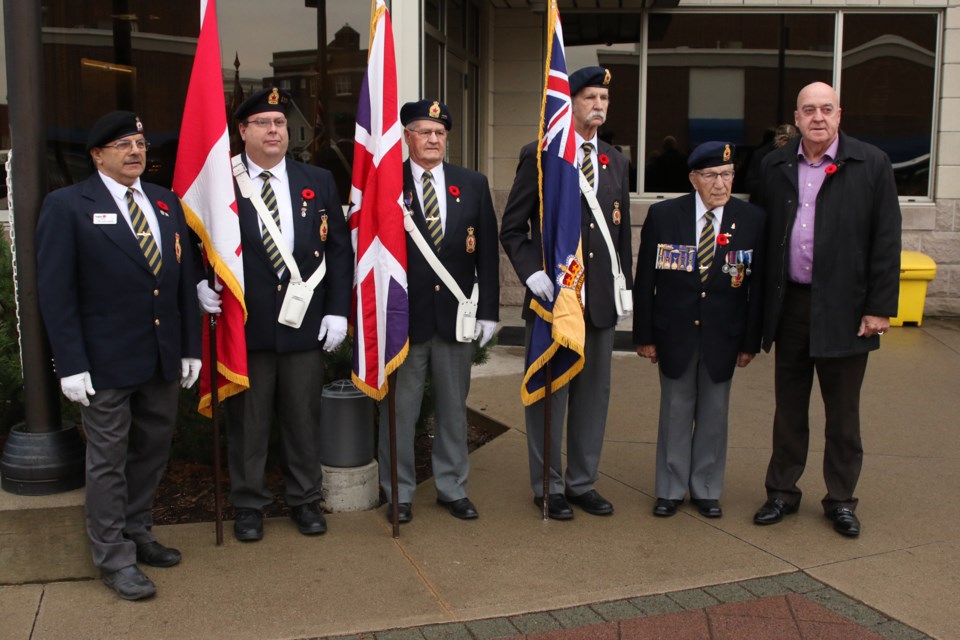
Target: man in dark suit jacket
{"x":452,"y":209}
{"x":588,"y":393}
{"x":697,"y":313}
{"x":833,"y":285}
{"x":283,"y":363}
{"x":115,"y":285}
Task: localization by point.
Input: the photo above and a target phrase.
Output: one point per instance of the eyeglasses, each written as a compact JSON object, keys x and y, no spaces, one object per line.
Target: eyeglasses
{"x":426,"y":133}
{"x":710,"y":176}
{"x":264,"y":123}
{"x":125,"y":145}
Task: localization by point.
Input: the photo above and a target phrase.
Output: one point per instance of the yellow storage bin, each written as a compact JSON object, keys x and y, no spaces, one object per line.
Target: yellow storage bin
{"x":916,"y":270}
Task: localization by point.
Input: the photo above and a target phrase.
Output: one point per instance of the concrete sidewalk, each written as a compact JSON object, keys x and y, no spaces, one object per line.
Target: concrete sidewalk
{"x":496,"y":576}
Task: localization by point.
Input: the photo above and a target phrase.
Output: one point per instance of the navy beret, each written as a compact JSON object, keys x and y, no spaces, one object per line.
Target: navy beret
{"x":426,"y":110}
{"x":269,"y":99}
{"x":116,"y":124}
{"x":588,"y":77}
{"x":711,"y":154}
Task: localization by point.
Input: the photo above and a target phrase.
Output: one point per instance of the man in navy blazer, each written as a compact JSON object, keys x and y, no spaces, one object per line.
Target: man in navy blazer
{"x":697,"y":313}
{"x":588,"y":394}
{"x":283,"y":363}
{"x":115,"y":285}
{"x":453,"y":211}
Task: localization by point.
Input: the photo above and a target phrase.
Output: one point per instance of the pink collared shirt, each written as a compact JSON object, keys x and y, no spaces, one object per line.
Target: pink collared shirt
{"x":810,"y":178}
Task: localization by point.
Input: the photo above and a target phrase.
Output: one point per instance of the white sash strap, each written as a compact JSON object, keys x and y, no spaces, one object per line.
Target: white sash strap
{"x":622,"y":297}
{"x":467,"y":309}
{"x":251,"y":193}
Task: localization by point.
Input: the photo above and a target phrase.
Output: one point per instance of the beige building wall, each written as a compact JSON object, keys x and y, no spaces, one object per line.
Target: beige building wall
{"x":929,"y":226}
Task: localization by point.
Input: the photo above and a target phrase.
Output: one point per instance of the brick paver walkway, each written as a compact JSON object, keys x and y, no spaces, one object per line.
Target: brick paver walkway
{"x":788,"y":607}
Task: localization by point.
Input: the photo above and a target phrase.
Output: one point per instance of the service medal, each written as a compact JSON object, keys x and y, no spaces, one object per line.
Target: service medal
{"x":176,"y":246}
{"x":471,"y":240}
{"x":616,"y":212}
{"x":323,"y":228}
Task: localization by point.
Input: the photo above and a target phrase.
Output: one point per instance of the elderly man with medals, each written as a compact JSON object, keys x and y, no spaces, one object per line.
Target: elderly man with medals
{"x":698,"y":314}
{"x":454,"y":291}
{"x":116,"y":292}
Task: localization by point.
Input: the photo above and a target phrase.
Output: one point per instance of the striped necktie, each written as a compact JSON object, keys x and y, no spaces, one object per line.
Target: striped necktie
{"x":431,"y":209}
{"x":144,"y":236}
{"x":587,"y":165}
{"x":270,"y":199}
{"x":705,"y":248}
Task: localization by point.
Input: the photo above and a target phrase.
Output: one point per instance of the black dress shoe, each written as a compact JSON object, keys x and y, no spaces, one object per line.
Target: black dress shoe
{"x":665,"y":507}
{"x":461,"y":508}
{"x":155,"y":554}
{"x":557,"y":507}
{"x":708,"y":508}
{"x":248,"y":525}
{"x":845,"y":521}
{"x":592,"y":502}
{"x":773,"y":511}
{"x":309,"y":518}
{"x":405,"y":512}
{"x":130,"y":583}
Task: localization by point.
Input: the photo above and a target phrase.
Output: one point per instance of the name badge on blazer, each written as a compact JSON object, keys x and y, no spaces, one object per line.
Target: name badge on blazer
{"x":104,"y":218}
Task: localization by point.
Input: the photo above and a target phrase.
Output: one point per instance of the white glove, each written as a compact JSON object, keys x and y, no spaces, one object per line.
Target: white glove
{"x":189,"y":371}
{"x":209,"y":298}
{"x":486,"y":329}
{"x":541,"y":285}
{"x":77,"y":387}
{"x":335,"y":329}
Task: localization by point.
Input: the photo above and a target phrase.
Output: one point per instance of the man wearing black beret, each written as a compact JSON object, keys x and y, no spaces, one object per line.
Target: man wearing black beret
{"x":697,"y":313}
{"x":283,"y":361}
{"x":453,"y":213}
{"x":588,"y":394}
{"x":115,"y":286}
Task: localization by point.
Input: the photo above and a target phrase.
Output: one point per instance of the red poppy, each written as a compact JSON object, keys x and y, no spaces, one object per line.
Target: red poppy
{"x":163,"y":205}
{"x":603,"y":159}
{"x":723,"y":239}
{"x":307,"y":194}
{"x":454,"y":190}
{"x":830,"y":169}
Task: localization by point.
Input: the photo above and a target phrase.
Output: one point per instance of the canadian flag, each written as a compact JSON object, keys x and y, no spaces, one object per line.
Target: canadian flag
{"x":203,"y":178}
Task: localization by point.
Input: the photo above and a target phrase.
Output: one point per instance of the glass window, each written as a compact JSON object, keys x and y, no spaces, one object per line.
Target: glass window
{"x":734,"y":86}
{"x":141,"y":58}
{"x":735,"y":76}
{"x":888,"y":73}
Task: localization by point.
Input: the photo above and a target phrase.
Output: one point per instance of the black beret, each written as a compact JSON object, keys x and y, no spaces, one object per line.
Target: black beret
{"x":711,"y":154}
{"x":116,"y":124}
{"x":269,"y":99}
{"x":588,"y":77}
{"x":426,"y":110}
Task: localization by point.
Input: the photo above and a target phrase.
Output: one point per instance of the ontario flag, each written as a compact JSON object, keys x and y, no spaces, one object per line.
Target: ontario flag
{"x":380,"y":311}
{"x":203,"y":179}
{"x":558,"y":328}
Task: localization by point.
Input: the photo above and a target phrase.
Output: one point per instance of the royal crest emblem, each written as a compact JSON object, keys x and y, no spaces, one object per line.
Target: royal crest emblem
{"x":434,"y":110}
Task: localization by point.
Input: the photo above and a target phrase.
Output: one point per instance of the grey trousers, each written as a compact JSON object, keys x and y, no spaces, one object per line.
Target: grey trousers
{"x":587,"y":396}
{"x":692,"y":436}
{"x":286,"y":388}
{"x":449,"y":364}
{"x":128,"y":442}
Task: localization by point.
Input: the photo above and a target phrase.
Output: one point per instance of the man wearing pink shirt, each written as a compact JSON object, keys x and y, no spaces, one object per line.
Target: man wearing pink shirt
{"x":833,"y":250}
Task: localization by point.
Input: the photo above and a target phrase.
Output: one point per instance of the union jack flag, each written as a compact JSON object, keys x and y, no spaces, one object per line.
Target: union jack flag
{"x":380,"y":309}
{"x":558,"y":329}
